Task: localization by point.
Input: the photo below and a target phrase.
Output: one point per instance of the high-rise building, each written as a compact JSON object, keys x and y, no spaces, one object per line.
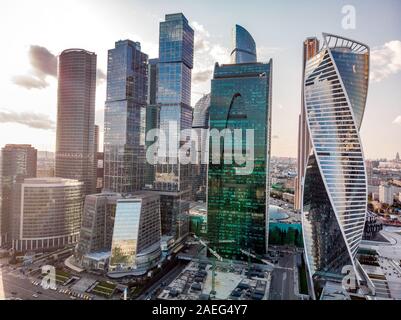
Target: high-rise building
{"x":96,"y":226}
{"x":200,"y":125}
{"x":47,"y":214}
{"x":386,"y":194}
{"x":335,"y":186}
{"x":125,"y":118}
{"x":173,"y":114}
{"x":75,"y":139}
{"x":241,"y":96}
{"x":19,"y":161}
{"x":397,"y":157}
{"x":152,"y":89}
{"x":136,"y":236}
{"x":310,"y":49}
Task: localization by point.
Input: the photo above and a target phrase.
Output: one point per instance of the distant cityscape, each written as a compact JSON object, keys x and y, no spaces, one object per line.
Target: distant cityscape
{"x":323,"y":226}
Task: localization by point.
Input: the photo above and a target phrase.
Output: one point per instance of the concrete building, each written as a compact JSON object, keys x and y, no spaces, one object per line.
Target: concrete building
{"x":46,"y":213}
{"x":386,"y":194}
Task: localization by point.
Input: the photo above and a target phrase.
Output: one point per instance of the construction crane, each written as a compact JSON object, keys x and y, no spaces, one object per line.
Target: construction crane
{"x":216,"y":256}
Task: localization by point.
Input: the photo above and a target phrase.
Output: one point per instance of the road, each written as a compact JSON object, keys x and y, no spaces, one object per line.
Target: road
{"x":282,"y":283}
{"x":12,"y":281}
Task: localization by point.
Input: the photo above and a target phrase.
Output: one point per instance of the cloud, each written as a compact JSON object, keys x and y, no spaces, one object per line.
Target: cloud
{"x":29,"y":82}
{"x":100,"y":76}
{"x":207,"y":53}
{"x":397,"y":120}
{"x":29,"y":119}
{"x":43,"y":64}
{"x":385,"y":60}
{"x":202,"y":76}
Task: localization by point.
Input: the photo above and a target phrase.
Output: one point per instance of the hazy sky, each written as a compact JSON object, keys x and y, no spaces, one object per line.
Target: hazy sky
{"x":34,"y":32}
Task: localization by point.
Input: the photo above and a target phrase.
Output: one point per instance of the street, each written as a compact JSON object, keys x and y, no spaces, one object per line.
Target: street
{"x":282,"y":284}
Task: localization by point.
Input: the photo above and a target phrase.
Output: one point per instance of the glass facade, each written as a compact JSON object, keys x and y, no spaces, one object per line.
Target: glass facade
{"x":97,"y":223}
{"x":244,"y":46}
{"x":48,"y":214}
{"x":200,"y":124}
{"x":176,"y":47}
{"x":171,"y":179}
{"x":335,"y":187}
{"x":75,"y":143}
{"x":136,"y":234}
{"x":125,"y":118}
{"x":18,"y":162}
{"x":238,"y":204}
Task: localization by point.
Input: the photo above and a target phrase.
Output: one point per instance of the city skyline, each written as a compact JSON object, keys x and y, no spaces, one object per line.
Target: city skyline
{"x":28,"y":115}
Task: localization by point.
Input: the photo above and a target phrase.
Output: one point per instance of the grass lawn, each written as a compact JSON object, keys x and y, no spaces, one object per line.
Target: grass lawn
{"x":104,"y":289}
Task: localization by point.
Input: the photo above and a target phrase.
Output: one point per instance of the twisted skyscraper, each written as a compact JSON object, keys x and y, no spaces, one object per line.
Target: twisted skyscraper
{"x":334,"y":183}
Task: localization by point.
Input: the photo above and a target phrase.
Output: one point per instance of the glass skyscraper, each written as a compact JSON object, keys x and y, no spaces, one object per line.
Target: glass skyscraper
{"x":176,"y":52}
{"x":310,"y":48}
{"x":75,"y":145}
{"x":335,"y":186}
{"x":125,"y":118}
{"x":173,"y":99}
{"x":238,"y":204}
{"x":200,"y":124}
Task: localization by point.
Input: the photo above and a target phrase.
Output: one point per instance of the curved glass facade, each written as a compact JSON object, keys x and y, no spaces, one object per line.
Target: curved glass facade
{"x":244,"y":47}
{"x":335,"y":187}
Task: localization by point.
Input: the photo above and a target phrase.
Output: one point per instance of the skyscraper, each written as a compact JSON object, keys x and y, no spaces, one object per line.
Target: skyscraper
{"x":310,"y":49}
{"x":238,"y":203}
{"x":200,"y":124}
{"x":19,"y":161}
{"x":335,"y":186}
{"x":75,"y":143}
{"x":173,"y":113}
{"x":176,"y":51}
{"x":125,"y":118}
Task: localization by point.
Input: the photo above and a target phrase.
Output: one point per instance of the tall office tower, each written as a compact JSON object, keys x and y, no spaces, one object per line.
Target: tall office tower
{"x":136,"y":237}
{"x":310,"y":49}
{"x":18,"y":162}
{"x":75,"y":140}
{"x":176,"y":51}
{"x":152,"y":89}
{"x":173,"y":97}
{"x":47,"y":214}
{"x":335,"y":187}
{"x":96,"y":226}
{"x":152,"y":118}
{"x":200,"y":124}
{"x":397,"y":157}
{"x":238,"y":201}
{"x":125,"y":118}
